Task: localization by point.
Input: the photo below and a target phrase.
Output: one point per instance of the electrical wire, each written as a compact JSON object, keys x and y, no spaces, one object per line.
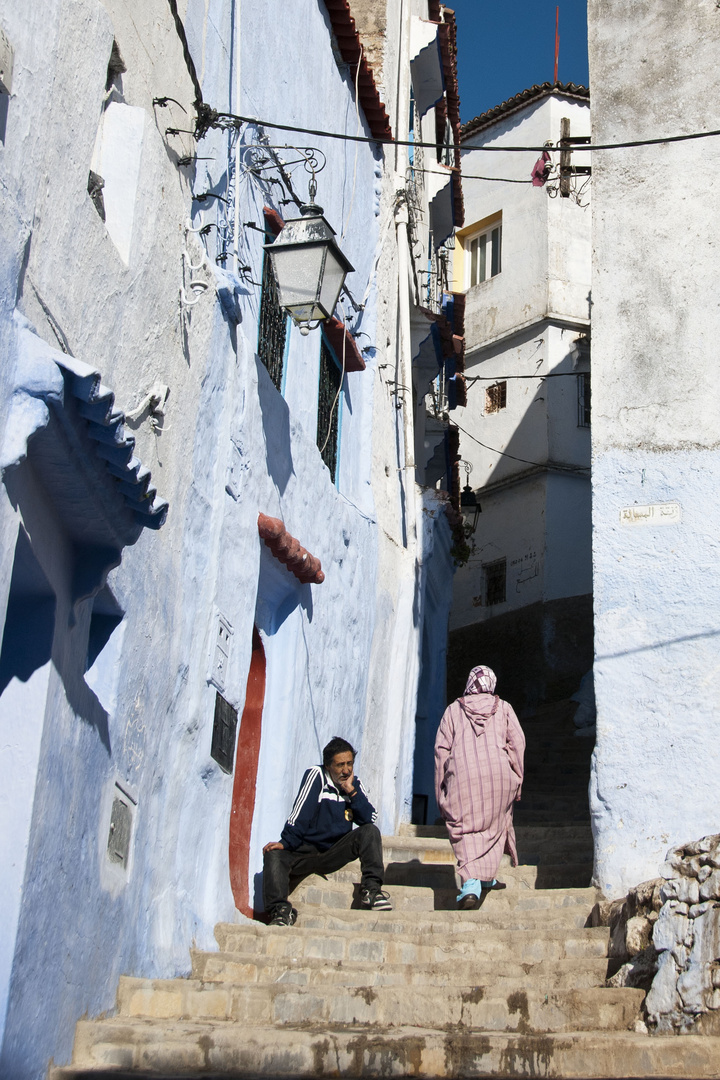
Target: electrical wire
{"x":342,"y":379}
{"x":502,"y":378}
{"x":231,"y":119}
{"x":468,"y":176}
{"x":189,"y":62}
{"x":496,"y":179}
{"x":208,"y":117}
{"x":357,"y":146}
{"x":540,"y":464}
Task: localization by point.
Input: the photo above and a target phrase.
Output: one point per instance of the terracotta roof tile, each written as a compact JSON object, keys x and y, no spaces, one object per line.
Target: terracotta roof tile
{"x":349,"y":44}
{"x":519,"y":101}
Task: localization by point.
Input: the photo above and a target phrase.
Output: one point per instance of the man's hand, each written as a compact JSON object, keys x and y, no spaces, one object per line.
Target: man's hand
{"x":274,"y":845}
{"x":347,"y":786}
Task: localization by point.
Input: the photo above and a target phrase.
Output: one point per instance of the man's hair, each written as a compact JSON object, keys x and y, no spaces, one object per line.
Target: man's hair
{"x":337,"y":746}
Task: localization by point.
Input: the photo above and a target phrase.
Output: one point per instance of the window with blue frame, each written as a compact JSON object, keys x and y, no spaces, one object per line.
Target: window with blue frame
{"x":328,"y":421}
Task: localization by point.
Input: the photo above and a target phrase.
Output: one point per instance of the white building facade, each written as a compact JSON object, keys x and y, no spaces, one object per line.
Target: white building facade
{"x":216,"y":545}
{"x":523,"y":600}
{"x":656,"y":433}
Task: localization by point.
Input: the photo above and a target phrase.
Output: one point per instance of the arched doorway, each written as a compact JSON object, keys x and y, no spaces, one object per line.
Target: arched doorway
{"x":246,"y":766}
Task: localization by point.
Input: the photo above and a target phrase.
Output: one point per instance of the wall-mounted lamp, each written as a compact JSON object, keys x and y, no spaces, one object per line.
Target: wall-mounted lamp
{"x":469,"y":506}
{"x":310,"y":268}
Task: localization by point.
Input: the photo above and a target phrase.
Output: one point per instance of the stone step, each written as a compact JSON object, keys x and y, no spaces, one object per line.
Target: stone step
{"x":438,"y":850}
{"x":382,"y":938}
{"x":528,"y":834}
{"x":233,"y":1051}
{"x":542,"y":817}
{"x":485,"y":1008}
{"x":441,"y":875}
{"x":511,"y":907}
{"x":541,"y":798}
{"x":572,"y":974}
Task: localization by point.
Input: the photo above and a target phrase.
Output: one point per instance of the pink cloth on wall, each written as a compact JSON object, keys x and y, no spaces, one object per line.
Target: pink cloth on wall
{"x":479,"y":753}
{"x":540,"y":170}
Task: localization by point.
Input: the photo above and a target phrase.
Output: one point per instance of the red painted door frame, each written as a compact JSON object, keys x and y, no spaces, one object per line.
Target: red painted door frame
{"x":245,"y":780}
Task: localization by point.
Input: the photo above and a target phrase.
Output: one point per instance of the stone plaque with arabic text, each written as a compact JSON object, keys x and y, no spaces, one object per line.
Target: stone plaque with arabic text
{"x":669,"y":513}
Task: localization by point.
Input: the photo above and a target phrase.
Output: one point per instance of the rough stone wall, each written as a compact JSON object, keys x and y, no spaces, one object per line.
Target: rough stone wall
{"x":665,"y":935}
{"x":656,"y":432}
{"x":685,"y":994}
{"x":371,"y":21}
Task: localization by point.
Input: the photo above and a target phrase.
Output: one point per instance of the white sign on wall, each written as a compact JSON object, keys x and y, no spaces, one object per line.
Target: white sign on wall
{"x":653,"y":514}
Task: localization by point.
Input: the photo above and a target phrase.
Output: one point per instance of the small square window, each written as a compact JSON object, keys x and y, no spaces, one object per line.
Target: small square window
{"x":495,"y":576}
{"x":495,"y":397}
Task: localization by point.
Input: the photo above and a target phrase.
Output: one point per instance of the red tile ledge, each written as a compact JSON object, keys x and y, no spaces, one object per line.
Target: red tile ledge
{"x":289,"y":551}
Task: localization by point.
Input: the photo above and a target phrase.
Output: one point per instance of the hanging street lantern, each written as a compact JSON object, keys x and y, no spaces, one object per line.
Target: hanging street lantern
{"x":470,"y":509}
{"x":469,"y":506}
{"x":310,"y":269}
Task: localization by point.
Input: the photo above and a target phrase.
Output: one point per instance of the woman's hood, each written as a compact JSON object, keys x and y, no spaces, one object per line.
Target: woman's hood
{"x":479,"y":708}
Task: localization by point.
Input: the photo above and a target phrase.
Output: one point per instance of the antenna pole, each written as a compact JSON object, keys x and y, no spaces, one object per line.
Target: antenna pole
{"x":557,"y":41}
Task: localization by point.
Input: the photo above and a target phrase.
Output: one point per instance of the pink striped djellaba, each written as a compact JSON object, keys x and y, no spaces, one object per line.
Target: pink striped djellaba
{"x":478,"y":776}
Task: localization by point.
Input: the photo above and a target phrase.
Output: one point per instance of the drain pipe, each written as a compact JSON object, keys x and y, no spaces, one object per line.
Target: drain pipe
{"x":404,"y":376}
{"x":404,"y":365}
{"x":237,"y":109}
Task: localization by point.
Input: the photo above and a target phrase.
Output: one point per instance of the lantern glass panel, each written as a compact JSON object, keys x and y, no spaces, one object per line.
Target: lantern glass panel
{"x":333,"y":278}
{"x":297,"y":270}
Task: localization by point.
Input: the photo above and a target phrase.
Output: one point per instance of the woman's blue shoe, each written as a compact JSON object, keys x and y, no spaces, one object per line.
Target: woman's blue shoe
{"x":469,"y":896}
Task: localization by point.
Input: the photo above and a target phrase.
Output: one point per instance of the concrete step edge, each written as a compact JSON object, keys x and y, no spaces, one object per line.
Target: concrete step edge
{"x":257,"y":965}
{"x":525,"y":1009}
{"x":377,"y":931}
{"x":405,"y":1051}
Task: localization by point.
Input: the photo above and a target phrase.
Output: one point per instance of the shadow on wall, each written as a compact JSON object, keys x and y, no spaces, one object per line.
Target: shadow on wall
{"x":541,"y":650}
{"x":32,"y":636}
{"x":276,"y":427}
{"x":539,"y":653}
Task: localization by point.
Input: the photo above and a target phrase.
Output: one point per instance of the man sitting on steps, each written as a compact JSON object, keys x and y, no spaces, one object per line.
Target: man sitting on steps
{"x":319,"y":836}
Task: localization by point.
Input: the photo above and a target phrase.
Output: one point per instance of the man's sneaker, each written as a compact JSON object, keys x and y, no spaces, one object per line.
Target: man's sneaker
{"x":375,"y":899}
{"x":284,"y":915}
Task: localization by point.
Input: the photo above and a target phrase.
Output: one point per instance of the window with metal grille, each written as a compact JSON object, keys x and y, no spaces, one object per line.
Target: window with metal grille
{"x":496,"y":397}
{"x":118,"y":845}
{"x":583,"y":385}
{"x":328,"y":408}
{"x":273,"y":325}
{"x":495,"y":575}
{"x":223,"y":736}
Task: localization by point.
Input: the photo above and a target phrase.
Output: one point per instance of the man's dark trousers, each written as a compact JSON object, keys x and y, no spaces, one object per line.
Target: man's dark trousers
{"x":282,"y":870}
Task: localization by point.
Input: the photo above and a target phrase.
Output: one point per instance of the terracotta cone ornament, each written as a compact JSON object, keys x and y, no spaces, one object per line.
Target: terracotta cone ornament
{"x":289,"y":551}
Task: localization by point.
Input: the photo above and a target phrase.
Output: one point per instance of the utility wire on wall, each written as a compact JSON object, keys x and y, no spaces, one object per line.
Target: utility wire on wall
{"x":540,"y":464}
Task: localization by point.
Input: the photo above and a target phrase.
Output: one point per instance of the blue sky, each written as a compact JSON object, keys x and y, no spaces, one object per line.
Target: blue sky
{"x":504,"y":48}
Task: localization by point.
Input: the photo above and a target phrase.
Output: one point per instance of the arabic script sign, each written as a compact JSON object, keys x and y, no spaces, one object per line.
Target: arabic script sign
{"x":653,"y":514}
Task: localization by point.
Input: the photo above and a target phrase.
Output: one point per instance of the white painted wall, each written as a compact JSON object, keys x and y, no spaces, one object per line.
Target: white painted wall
{"x":545,"y":243}
{"x":520,"y":325}
{"x":656,"y":433}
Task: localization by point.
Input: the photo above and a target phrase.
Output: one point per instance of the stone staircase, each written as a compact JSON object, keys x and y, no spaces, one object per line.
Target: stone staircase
{"x":516,"y":988}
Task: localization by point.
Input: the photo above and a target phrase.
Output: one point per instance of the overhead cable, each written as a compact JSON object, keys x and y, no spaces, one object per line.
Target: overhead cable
{"x":540,"y":464}
{"x":231,"y":119}
{"x":208,"y":117}
{"x":470,"y":379}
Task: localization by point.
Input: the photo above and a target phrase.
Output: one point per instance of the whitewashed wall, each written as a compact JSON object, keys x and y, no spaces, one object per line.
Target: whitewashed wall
{"x":530,"y":459}
{"x":656,"y":433}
